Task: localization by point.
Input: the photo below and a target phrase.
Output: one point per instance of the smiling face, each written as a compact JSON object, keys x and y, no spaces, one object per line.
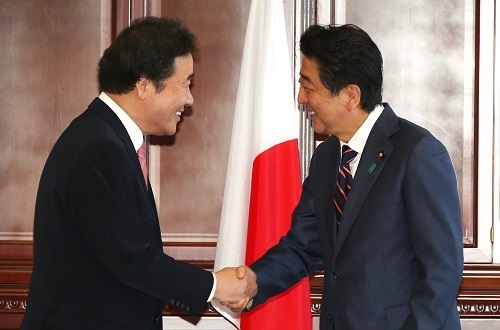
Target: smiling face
{"x":163,"y":109}
{"x":340,"y":115}
{"x":327,"y":111}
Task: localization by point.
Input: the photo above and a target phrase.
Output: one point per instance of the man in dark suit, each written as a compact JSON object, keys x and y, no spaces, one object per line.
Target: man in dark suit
{"x":98,"y":256}
{"x":392,"y":251}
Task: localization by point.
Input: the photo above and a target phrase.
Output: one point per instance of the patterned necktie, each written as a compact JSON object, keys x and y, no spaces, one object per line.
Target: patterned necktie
{"x":143,"y":160}
{"x":344,"y":181}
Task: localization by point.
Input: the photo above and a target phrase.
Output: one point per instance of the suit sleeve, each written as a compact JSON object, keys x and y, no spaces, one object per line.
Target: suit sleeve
{"x":296,"y":255}
{"x":434,"y":218}
{"x":116,"y":220}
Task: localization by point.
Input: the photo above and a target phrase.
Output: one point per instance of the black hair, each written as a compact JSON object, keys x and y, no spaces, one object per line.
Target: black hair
{"x":147,"y":48}
{"x":346,"y":55}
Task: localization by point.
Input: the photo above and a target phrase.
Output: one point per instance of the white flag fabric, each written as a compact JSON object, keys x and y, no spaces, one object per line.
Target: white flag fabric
{"x":265,"y":119}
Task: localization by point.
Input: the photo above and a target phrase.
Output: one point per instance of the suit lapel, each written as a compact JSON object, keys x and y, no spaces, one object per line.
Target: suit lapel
{"x":102,"y":109}
{"x":331,"y":167}
{"x":375,"y":154}
{"x":327,"y":168}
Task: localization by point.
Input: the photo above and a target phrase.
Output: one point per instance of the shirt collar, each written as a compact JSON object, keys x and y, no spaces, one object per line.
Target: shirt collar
{"x":359,"y":139}
{"x":133,"y":130}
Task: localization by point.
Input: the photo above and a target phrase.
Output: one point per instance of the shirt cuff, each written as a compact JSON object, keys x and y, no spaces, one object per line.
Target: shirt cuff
{"x":212,"y":293}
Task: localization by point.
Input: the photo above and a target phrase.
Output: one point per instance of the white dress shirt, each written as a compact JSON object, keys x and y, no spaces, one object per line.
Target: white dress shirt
{"x":358,"y":140}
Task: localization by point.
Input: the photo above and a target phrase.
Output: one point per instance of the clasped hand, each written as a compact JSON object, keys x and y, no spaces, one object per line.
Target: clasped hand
{"x":235,"y":287}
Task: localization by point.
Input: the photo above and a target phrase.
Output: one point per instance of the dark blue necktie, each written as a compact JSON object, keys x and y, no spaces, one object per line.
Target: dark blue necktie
{"x":344,"y":181}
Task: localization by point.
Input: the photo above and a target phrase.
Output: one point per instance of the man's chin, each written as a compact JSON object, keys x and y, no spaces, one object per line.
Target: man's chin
{"x":318,"y":129}
{"x":170,"y":133}
{"x":170,"y":129}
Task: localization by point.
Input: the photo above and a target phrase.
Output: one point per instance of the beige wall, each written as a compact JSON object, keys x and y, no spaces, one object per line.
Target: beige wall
{"x":48,"y":59}
{"x":192,"y":164}
{"x":429,"y":49}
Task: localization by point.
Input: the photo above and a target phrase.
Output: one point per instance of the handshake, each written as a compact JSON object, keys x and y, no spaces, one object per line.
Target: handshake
{"x":235,"y":287}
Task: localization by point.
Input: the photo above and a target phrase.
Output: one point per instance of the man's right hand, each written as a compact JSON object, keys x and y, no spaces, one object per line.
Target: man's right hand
{"x":235,"y":287}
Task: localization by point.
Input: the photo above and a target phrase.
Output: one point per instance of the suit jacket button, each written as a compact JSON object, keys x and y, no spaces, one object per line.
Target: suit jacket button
{"x":329,"y":318}
{"x":157,"y":319}
{"x":335,"y":276}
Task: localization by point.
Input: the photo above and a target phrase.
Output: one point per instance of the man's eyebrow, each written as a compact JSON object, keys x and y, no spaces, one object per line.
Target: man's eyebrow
{"x":306,"y":78}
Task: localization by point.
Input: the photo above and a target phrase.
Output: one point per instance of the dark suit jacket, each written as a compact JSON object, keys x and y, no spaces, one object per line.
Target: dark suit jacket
{"x":397,"y":259}
{"x":99,"y":262}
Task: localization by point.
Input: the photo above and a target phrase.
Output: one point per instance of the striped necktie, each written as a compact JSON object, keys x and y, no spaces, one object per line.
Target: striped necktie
{"x":344,"y":181}
{"x":143,"y":160}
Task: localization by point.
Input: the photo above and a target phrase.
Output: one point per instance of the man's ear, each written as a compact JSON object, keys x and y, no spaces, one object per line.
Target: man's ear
{"x":353,"y":93}
{"x":141,"y":87}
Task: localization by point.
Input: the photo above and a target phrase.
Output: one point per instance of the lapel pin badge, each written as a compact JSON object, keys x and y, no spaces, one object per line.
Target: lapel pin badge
{"x":381,"y":154}
{"x":372,"y":168}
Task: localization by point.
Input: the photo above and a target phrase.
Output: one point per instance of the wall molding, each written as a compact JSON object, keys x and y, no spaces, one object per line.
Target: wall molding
{"x":478,"y":297}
